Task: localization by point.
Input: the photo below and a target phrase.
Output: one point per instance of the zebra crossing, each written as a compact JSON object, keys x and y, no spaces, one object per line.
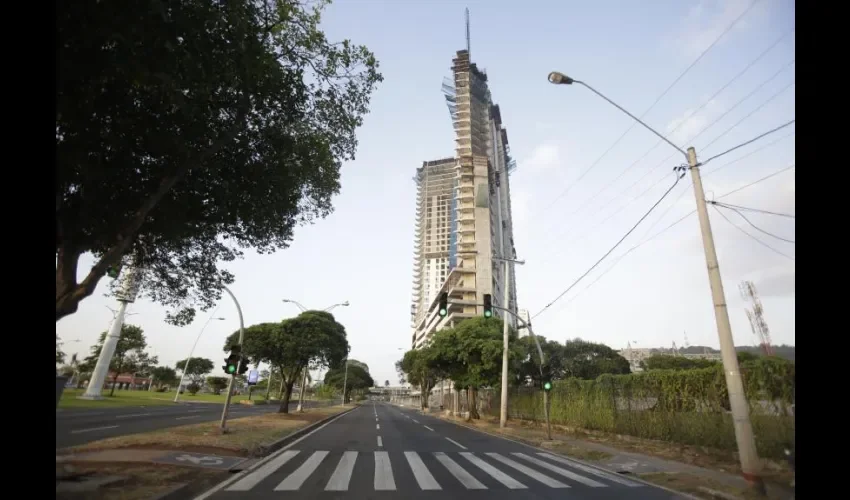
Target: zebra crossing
{"x":327,"y":471}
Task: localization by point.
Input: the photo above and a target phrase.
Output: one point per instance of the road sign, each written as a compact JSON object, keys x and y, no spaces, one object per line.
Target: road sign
{"x":253,"y":376}
{"x":199,"y":460}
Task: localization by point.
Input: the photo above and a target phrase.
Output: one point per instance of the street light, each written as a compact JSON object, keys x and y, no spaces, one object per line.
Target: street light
{"x":740,"y":409}
{"x":503,"y":406}
{"x":223,"y":424}
{"x":188,"y":359}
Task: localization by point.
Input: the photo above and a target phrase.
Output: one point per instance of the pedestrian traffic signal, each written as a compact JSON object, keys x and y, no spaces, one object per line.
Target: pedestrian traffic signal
{"x":488,"y":305}
{"x":444,"y":304}
{"x":547,"y":386}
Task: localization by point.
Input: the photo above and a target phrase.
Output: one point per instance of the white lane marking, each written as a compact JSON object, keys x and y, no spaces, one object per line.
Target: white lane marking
{"x":528,"y":471}
{"x":378,"y":426}
{"x":430,"y":429}
{"x":265,"y":466}
{"x":80,"y":431}
{"x":465,"y":478}
{"x":415,"y":421}
{"x":76,"y":415}
{"x":342,"y":474}
{"x":251,"y":480}
{"x":297,"y":478}
{"x":133,"y":415}
{"x":420,"y":472}
{"x":456,"y":443}
{"x":380,"y":442}
{"x":383,"y":472}
{"x":198,"y":411}
{"x":563,"y":472}
{"x":494,"y":472}
{"x":590,"y":470}
{"x":190,"y":416}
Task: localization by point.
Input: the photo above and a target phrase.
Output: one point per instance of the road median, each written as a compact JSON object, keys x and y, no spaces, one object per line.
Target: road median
{"x":178,"y":459}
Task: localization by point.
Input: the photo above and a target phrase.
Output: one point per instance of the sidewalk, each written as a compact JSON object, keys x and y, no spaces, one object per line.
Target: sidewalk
{"x":700,"y":473}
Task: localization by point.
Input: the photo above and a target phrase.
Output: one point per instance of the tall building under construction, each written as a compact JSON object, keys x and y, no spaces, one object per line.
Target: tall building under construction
{"x":463,"y":211}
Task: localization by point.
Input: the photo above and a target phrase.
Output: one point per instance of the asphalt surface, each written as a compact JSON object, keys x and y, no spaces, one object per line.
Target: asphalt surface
{"x":79,"y":426}
{"x":383,"y":451}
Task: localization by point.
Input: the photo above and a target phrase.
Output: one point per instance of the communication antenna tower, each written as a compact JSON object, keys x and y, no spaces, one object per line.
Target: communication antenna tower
{"x":756,"y":316}
{"x":467,"y":34}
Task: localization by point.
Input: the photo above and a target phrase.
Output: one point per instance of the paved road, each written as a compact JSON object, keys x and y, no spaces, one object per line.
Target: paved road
{"x":382,"y":451}
{"x":78,"y":426}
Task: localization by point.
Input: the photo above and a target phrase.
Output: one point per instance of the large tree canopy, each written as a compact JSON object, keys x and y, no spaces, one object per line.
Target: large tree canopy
{"x":357,"y":379}
{"x":291,"y":345}
{"x":588,"y":360}
{"x":189,"y":130}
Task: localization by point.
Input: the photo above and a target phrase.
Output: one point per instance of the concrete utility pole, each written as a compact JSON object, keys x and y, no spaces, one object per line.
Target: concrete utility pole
{"x":750,"y":464}
{"x":503,"y":404}
{"x":129,"y":290}
{"x":344,"y":381}
{"x":223,"y":426}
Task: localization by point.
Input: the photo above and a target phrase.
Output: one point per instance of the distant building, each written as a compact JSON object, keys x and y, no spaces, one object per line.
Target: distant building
{"x":526,"y":317}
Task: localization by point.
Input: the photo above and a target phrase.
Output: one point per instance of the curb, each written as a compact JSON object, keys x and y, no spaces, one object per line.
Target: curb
{"x":587,"y":464}
{"x":189,"y":490}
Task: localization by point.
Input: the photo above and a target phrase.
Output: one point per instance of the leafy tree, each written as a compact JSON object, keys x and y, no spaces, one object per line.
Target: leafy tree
{"x":291,"y":345}
{"x":588,"y":360}
{"x":163,"y":375}
{"x":193,"y":388}
{"x":527,"y":367}
{"x":354,"y":362}
{"x":140,"y":363}
{"x":470,"y":354}
{"x":187,"y":131}
{"x":217,"y":383}
{"x":198,"y":369}
{"x":386,"y":383}
{"x":358,"y":379}
{"x":668,"y":362}
{"x":60,"y":356}
{"x":131,"y":340}
{"x":421,"y":367}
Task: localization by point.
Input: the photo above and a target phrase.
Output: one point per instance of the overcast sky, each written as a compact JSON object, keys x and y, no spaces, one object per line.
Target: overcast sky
{"x":566,"y":214}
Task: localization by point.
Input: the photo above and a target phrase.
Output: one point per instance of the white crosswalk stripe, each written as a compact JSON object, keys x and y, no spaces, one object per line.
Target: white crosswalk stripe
{"x":299,"y":472}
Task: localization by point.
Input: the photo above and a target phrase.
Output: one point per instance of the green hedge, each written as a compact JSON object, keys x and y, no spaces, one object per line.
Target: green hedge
{"x":687,"y":406}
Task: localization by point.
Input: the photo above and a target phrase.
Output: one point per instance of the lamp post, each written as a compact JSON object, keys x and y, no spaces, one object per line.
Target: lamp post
{"x":750,"y":466}
{"x":223,"y":425}
{"x":328,"y":309}
{"x":188,"y":359}
{"x":503,"y":406}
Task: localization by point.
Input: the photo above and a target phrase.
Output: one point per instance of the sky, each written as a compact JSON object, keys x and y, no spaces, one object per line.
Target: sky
{"x":573,"y":194}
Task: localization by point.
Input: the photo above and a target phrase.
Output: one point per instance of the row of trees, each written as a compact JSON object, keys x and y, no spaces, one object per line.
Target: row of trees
{"x":470,"y":355}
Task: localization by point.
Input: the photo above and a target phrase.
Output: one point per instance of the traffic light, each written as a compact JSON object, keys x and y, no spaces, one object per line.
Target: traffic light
{"x":547,"y":386}
{"x":488,"y":305}
{"x":444,"y":304}
{"x":231,"y":363}
{"x":243,"y":366}
{"x":114,"y":271}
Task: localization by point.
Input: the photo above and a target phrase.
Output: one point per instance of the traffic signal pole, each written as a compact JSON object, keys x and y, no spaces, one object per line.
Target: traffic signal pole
{"x":223,"y":426}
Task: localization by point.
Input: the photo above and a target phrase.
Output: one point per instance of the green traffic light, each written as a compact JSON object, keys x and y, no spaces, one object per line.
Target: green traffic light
{"x":231,"y":368}
{"x":488,"y":314}
{"x":443,"y":312}
{"x":547,"y":386}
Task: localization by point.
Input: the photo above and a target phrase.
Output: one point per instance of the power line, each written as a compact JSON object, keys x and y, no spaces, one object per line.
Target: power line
{"x":678,"y":178}
{"x":755,"y":182}
{"x":721,"y":167}
{"x":681,"y":75}
{"x":749,"y":209}
{"x":681,"y":123}
{"x":754,"y":139}
{"x":753,"y":225}
{"x":670,"y":226}
{"x":753,"y":237}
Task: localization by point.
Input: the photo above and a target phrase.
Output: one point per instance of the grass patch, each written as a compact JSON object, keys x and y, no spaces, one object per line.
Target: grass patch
{"x":701,"y":487}
{"x":144,"y":480}
{"x":246,"y":436}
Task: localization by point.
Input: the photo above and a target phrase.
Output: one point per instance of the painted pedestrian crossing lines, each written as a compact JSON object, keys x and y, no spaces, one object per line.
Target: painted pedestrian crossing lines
{"x":292,"y":469}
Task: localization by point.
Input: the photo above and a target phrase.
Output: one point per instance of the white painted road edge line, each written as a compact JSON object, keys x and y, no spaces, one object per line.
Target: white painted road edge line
{"x":240,"y":475}
{"x":79,"y":431}
{"x":456,"y":443}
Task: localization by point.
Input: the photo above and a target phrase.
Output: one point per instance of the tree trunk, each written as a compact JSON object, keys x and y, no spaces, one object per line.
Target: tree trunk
{"x":280,"y":392}
{"x":472,"y":402}
{"x":117,"y":372}
{"x":284,"y":400}
{"x":112,"y":389}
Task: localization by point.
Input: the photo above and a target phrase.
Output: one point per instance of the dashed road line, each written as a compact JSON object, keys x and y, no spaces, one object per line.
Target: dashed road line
{"x":80,"y":431}
{"x":190,"y":416}
{"x":380,"y":442}
{"x":430,"y":429}
{"x":133,"y":415}
{"x":456,"y":443}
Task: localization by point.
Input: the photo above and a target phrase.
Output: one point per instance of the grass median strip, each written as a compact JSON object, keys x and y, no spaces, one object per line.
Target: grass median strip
{"x":127,"y":456}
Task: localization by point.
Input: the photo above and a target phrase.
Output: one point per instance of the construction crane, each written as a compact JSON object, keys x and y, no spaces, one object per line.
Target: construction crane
{"x":756,"y":316}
